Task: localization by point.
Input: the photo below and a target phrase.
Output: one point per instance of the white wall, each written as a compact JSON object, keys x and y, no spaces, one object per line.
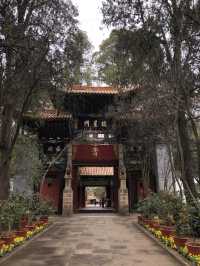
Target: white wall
{"x":163,"y":168}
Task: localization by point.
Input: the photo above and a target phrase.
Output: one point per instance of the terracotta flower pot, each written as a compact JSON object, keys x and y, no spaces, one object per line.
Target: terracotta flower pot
{"x":8,"y":239}
{"x":156,"y":226}
{"x":140,"y":219}
{"x":167,"y":231}
{"x":193,"y":248}
{"x":151,"y":223}
{"x":2,"y":243}
{"x":30,"y":227}
{"x":148,"y":221}
{"x":180,"y":241}
{"x":21,"y":233}
{"x":24,"y":229}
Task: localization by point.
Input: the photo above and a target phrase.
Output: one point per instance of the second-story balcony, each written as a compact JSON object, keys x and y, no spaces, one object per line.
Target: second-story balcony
{"x":99,"y":136}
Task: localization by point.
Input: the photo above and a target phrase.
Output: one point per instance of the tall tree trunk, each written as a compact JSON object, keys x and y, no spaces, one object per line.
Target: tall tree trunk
{"x":197,"y":142}
{"x":185,"y":155}
{"x":4,"y":180}
{"x":5,"y":151}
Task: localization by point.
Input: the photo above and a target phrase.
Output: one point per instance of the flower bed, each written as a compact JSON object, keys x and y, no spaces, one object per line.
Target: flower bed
{"x":189,"y":250}
{"x":15,"y":239}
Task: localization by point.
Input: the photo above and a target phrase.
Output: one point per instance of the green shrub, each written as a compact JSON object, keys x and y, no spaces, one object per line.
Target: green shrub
{"x":165,"y":205}
{"x":18,"y":206}
{"x":43,"y":207}
{"x":194,"y":221}
{"x":149,"y":206}
{"x":12,"y":210}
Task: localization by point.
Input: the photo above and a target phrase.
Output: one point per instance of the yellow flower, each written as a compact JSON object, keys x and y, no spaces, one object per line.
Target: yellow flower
{"x":29,"y":234}
{"x":5,"y":248}
{"x":18,"y":240}
{"x":158,"y":233}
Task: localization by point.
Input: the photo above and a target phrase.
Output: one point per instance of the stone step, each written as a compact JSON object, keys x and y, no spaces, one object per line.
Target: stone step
{"x":96,"y":210}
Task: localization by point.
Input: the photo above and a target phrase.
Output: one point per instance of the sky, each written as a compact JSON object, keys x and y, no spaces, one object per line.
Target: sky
{"x":90,"y":18}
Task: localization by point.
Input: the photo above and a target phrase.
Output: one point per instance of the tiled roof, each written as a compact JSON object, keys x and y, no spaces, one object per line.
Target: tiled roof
{"x":96,"y":171}
{"x":54,"y":114}
{"x":50,"y":114}
{"x":83,"y":89}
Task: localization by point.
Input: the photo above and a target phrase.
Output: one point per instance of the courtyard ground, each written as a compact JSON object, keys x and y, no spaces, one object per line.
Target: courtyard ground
{"x":93,"y":240}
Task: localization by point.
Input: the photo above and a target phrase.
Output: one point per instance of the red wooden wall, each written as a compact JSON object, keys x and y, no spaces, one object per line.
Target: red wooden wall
{"x":95,"y":153}
{"x":51,"y":191}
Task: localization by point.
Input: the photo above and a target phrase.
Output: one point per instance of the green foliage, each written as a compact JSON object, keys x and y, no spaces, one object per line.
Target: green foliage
{"x":172,"y":28}
{"x":172,"y":210}
{"x":164,"y":204}
{"x":149,"y":207}
{"x":76,"y":56}
{"x":168,"y":53}
{"x":18,"y":206}
{"x":194,"y":220}
{"x":181,"y":217}
{"x":41,"y":207}
{"x":183,"y":228}
{"x":39,"y":35}
{"x":41,"y":50}
{"x":12,"y":210}
{"x":125,"y":57}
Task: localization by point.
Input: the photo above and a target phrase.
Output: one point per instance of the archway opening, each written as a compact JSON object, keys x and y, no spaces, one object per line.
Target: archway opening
{"x":97,"y":188}
{"x":96,"y":197}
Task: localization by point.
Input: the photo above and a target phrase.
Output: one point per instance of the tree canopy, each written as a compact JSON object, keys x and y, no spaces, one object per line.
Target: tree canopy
{"x":172,"y":70}
{"x":129,"y":57}
{"x":41,"y":48}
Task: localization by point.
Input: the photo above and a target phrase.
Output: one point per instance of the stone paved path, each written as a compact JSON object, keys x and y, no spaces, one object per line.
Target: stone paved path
{"x":92,"y":240}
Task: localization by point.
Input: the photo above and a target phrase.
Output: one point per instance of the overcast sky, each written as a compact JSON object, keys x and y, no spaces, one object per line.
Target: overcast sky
{"x":90,"y":18}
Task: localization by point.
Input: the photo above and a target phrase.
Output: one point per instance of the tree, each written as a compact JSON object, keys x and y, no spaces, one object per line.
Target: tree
{"x":77,"y":58}
{"x":177,"y":36}
{"x":126,"y":56}
{"x":35,"y":38}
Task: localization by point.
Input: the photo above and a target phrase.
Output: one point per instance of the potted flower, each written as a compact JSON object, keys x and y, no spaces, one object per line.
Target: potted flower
{"x":8,"y":239}
{"x":41,"y":210}
{"x":148,"y":210}
{"x":168,"y":228}
{"x":7,"y":220}
{"x":182,"y":233}
{"x":194,"y":221}
{"x":183,"y":229}
{"x":167,"y":231}
{"x":156,"y":223}
{"x":21,"y":233}
{"x":193,"y":248}
{"x":2,"y":243}
{"x":30,"y":227}
{"x":45,"y":209}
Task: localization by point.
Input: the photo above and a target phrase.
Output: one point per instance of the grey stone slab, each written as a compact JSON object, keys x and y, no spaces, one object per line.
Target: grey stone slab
{"x":93,"y":241}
